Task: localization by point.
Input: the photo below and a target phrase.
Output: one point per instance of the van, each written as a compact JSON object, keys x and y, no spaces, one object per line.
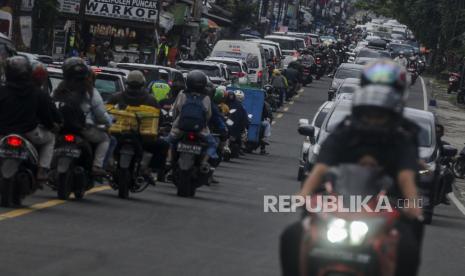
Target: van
{"x":251,"y":52}
{"x":290,"y":47}
{"x":277,"y":50}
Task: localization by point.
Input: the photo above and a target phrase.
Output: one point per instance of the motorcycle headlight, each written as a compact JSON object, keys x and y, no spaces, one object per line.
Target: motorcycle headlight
{"x":341,"y":231}
{"x":358,"y":231}
{"x":337,"y":231}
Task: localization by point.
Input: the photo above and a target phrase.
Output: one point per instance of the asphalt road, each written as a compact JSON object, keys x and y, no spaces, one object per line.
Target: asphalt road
{"x":222,"y":231}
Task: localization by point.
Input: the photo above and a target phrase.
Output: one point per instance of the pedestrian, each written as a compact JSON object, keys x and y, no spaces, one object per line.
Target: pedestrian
{"x":162,"y":52}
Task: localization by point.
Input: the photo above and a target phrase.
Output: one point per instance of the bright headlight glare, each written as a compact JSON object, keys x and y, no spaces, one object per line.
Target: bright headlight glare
{"x":358,"y":231}
{"x":337,"y":231}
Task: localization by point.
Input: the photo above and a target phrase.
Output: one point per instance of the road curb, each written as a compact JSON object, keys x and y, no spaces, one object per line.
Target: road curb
{"x":459,"y":190}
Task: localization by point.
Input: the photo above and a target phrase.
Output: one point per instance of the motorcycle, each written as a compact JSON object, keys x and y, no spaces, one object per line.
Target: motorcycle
{"x":18,"y":168}
{"x":307,"y":75}
{"x":413,"y":74}
{"x":187,"y":172}
{"x":272,"y":96}
{"x":458,"y":165}
{"x":351,"y":243}
{"x":454,"y":82}
{"x":320,"y":70}
{"x":70,"y":171}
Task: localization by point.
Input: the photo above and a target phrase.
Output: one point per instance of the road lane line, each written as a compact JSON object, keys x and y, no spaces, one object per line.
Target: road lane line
{"x":273,"y":123}
{"x":291,"y":102}
{"x":425,"y":94}
{"x":45,"y":205}
{"x":457,"y":202}
{"x":280,"y":115}
{"x":286,"y":108}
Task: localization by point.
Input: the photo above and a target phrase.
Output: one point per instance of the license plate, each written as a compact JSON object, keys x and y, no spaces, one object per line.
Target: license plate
{"x":7,"y":153}
{"x":68,"y":152}
{"x":189,"y":148}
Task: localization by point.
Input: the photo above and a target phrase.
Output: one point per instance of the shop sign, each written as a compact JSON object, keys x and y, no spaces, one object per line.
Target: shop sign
{"x":137,"y":10}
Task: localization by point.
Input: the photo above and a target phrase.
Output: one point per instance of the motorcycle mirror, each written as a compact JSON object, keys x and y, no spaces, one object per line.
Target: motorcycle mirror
{"x":306,"y":130}
{"x":449,"y":151}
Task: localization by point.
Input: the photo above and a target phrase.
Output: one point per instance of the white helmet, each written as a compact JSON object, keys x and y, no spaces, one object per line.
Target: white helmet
{"x":239,"y":95}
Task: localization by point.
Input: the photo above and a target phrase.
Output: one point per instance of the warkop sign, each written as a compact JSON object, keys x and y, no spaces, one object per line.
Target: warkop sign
{"x":138,"y":10}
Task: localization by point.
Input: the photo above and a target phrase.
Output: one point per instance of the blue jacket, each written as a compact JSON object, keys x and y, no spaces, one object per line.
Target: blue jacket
{"x":217,"y":120}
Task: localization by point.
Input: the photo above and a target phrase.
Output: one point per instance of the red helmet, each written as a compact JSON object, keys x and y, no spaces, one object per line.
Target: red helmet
{"x":39,"y":73}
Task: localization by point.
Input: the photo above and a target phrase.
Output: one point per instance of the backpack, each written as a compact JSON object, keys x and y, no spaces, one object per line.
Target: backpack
{"x":74,"y":119}
{"x":193,"y":115}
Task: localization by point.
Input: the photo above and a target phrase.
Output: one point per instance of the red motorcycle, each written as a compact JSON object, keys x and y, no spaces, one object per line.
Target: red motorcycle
{"x":358,"y":243}
{"x":454,"y":82}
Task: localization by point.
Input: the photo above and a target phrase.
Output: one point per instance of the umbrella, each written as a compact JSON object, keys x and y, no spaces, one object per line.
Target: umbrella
{"x":206,"y":23}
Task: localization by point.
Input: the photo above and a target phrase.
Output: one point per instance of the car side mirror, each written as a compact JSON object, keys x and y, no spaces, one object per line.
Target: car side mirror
{"x":449,"y":151}
{"x":306,"y":130}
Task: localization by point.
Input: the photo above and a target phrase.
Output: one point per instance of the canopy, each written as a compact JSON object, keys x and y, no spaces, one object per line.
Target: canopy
{"x":206,"y":23}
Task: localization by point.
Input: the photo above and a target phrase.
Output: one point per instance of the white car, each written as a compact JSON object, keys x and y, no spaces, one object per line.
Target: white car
{"x":238,"y":67}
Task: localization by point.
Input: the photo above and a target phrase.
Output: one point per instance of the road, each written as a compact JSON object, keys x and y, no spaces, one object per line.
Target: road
{"x":223,"y":231}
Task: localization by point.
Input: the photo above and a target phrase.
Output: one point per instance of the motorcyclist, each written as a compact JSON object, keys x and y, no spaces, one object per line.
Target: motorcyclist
{"x":280,"y":84}
{"x":28,"y":111}
{"x":196,"y":83}
{"x":401,"y":59}
{"x":375,"y":129}
{"x":135,"y":95}
{"x":293,"y":78}
{"x":238,"y":115}
{"x":77,"y":90}
{"x":160,"y":88}
{"x":267,"y":119}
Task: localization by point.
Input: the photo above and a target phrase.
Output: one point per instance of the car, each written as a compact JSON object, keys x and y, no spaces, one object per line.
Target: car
{"x":367,"y":55}
{"x":335,"y":113}
{"x":345,"y":70}
{"x":154,"y":72}
{"x":237,"y":67}
{"x":108,"y":81}
{"x":396,"y":48}
{"x":214,"y":70}
{"x":348,"y":86}
{"x":290,"y":46}
{"x":317,"y":121}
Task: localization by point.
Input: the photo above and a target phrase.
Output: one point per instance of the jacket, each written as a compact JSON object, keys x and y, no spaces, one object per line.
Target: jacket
{"x":177,"y":107}
{"x":22,"y":110}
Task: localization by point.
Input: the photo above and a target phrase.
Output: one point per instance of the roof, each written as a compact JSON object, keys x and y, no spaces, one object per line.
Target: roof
{"x":264,"y":41}
{"x":219,"y":59}
{"x":146,"y":66}
{"x":351,"y":66}
{"x":414,"y":112}
{"x":282,"y":37}
{"x":195,"y":62}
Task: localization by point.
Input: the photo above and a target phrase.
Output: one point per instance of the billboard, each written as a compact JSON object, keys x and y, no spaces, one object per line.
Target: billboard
{"x":136,"y":10}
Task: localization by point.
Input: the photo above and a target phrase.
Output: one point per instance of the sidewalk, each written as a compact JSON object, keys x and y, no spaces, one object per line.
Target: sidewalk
{"x":453,"y":119}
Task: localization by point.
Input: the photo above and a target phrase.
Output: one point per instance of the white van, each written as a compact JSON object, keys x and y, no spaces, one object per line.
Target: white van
{"x":277,"y":51}
{"x":251,"y":52}
{"x":289,"y":46}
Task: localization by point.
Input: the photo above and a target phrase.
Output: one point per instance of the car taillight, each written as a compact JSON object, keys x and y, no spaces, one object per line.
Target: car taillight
{"x":70,"y":138}
{"x":14,"y":141}
{"x":241,"y":74}
{"x":260,"y":74}
{"x":191,"y":136}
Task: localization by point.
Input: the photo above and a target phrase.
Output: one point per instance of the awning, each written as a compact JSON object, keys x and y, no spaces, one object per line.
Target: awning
{"x":206,"y":23}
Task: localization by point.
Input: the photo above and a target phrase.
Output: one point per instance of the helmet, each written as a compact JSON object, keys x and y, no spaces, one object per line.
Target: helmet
{"x":136,"y":79}
{"x":18,"y":70}
{"x":219,"y":94}
{"x":196,"y":81}
{"x":239,"y":95}
{"x":385,"y":72}
{"x":75,"y":69}
{"x":380,"y":98}
{"x":39,"y":73}
{"x":276,"y":72}
{"x":268,"y":88}
{"x":401,"y":53}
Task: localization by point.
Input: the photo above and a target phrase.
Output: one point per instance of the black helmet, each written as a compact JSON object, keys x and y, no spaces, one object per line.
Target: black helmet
{"x":196,"y":81}
{"x":75,"y":69}
{"x":377,"y":98}
{"x":385,"y":72}
{"x":18,"y":71}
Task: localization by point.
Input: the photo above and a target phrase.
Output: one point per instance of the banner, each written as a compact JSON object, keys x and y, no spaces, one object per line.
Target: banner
{"x":137,"y":10}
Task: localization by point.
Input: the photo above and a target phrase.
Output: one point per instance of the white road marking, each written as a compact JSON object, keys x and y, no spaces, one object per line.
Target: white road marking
{"x":425,"y":94}
{"x":457,"y":202}
{"x":286,"y":108}
{"x":291,"y":102}
{"x":274,"y":122}
{"x":280,"y":115}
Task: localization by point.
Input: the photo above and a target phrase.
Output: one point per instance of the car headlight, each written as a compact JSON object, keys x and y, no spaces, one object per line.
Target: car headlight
{"x":428,"y":168}
{"x":339,"y":231}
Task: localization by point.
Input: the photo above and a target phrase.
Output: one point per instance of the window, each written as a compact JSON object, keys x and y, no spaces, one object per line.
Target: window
{"x":321,"y":117}
{"x":337,"y":116}
{"x":300,"y":44}
{"x":106,"y":84}
{"x":345,"y":73}
{"x":252,"y":61}
{"x":285,"y":44}
{"x":211,"y":71}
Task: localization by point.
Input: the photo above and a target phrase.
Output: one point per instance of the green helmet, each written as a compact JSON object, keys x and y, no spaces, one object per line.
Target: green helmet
{"x":219,"y":94}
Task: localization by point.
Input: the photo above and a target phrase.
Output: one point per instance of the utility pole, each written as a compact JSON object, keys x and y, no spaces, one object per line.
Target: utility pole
{"x":82,"y":22}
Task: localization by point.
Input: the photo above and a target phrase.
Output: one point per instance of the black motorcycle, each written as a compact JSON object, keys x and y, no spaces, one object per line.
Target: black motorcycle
{"x":459,"y":165}
{"x":18,"y":168}
{"x":188,"y":173}
{"x":72,"y":173}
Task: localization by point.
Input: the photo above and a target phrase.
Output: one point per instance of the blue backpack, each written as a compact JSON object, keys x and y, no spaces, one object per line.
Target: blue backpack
{"x":193,"y":116}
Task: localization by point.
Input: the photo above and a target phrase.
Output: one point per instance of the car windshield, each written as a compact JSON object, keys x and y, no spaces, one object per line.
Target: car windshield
{"x":424,"y":136}
{"x":345,"y":73}
{"x":400,"y":47}
{"x":314,"y":40}
{"x":337,"y":116}
{"x":233,"y":66}
{"x":367,"y":53}
{"x":107,"y":84}
{"x":211,"y":71}
{"x":285,"y":44}
{"x":347,"y":89}
{"x":150,"y":74}
{"x":300,"y":44}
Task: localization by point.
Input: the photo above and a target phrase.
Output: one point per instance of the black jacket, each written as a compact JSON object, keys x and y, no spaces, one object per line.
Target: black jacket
{"x":22,"y":110}
{"x":133,"y":98}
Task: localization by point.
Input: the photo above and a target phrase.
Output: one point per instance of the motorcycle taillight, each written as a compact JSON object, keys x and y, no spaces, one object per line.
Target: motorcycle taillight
{"x":14,"y":141}
{"x":70,"y":138}
{"x":191,"y":136}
